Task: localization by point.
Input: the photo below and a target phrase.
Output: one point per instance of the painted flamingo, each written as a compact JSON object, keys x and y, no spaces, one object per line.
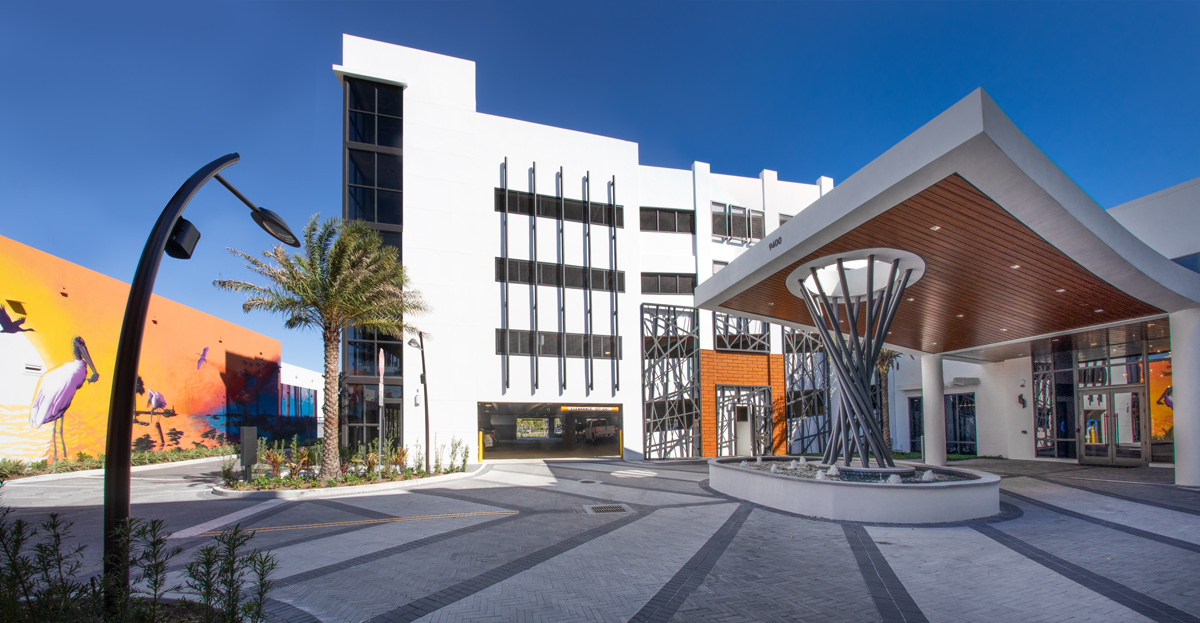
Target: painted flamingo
{"x":203,"y":358}
{"x":56,"y":390}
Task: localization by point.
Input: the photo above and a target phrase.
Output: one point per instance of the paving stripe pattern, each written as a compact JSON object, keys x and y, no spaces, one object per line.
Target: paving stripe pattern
{"x":780,"y":568}
{"x":671,"y":596}
{"x":430,"y":603}
{"x":957,"y":575}
{"x":1144,"y":565}
{"x":607,"y":579}
{"x":1167,"y":522}
{"x":1149,"y":607}
{"x":891,"y":598}
{"x":1153,"y":536}
{"x":1145,"y":500}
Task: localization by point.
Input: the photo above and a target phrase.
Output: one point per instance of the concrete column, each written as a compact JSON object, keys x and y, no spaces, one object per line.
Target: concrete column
{"x":1185,"y":381}
{"x":933,"y":405}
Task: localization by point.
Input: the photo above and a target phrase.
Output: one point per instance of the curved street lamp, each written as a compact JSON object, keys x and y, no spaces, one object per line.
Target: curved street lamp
{"x":176,"y":237}
{"x":421,"y":347}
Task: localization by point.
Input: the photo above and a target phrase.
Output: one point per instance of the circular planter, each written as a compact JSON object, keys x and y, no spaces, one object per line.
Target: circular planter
{"x":871,"y":502}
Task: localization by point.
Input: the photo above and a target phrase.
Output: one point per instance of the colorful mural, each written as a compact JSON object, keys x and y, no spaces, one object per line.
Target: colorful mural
{"x":1162,"y":405}
{"x":201,"y":378}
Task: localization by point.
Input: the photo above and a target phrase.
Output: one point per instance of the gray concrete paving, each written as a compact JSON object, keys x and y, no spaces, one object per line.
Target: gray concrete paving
{"x":514,"y":542}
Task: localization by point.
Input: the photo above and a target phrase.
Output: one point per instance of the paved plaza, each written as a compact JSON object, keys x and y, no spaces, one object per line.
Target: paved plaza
{"x":615,"y":541}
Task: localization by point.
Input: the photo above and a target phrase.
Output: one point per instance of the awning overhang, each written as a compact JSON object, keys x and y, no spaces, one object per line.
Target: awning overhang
{"x":996,"y":202}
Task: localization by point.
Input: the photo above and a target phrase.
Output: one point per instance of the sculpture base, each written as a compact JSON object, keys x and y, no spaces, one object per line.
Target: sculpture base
{"x":873,"y":502}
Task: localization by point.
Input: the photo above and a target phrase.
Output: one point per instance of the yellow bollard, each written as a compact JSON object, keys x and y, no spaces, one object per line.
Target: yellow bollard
{"x":480,"y":446}
{"x":621,"y":440}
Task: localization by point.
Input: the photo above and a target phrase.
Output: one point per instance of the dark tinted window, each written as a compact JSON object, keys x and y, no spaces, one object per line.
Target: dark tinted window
{"x":649,"y":219}
{"x":361,"y":168}
{"x":362,"y":95}
{"x":390,"y":207}
{"x":360,"y":203}
{"x":390,"y":239}
{"x":390,"y":171}
{"x":391,"y":132}
{"x":360,"y":128}
{"x":686,"y":223}
{"x":391,"y":100}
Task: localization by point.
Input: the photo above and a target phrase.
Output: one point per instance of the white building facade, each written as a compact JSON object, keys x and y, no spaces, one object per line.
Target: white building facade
{"x":561,"y":276}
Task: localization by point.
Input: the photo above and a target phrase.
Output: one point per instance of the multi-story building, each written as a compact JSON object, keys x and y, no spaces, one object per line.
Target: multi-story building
{"x":562,"y":276}
{"x":560,"y":272}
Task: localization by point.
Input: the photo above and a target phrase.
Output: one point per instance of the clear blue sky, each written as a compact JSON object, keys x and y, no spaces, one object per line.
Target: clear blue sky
{"x":106,"y":107}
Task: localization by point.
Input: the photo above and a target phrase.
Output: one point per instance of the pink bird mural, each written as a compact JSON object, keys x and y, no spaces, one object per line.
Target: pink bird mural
{"x":203,"y":358}
{"x":56,"y":390}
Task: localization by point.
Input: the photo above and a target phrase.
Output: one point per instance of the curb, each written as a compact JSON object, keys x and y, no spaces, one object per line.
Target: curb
{"x":100,"y":472}
{"x":340,"y":492}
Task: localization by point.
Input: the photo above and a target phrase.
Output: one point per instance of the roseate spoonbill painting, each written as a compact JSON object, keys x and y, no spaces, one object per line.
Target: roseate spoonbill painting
{"x":203,"y":358}
{"x":8,"y":325}
{"x":56,"y":390}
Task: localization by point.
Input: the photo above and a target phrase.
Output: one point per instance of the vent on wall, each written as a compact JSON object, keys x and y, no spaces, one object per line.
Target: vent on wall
{"x":33,"y":369}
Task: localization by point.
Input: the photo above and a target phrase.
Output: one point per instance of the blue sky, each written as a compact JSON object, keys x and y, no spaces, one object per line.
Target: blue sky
{"x":107,"y":107}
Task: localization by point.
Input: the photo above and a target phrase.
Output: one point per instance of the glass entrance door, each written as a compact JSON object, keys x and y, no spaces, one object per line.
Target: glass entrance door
{"x":1114,"y":427}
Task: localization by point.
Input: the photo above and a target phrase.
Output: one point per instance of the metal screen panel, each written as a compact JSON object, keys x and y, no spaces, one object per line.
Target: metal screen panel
{"x":742,"y":334}
{"x":671,"y":381}
{"x":806,"y":382}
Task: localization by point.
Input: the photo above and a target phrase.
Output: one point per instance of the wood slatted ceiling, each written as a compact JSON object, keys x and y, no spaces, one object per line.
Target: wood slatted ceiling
{"x":968,"y":271}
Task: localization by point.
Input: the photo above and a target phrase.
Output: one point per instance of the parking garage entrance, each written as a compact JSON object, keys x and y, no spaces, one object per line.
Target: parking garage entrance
{"x":541,"y":430}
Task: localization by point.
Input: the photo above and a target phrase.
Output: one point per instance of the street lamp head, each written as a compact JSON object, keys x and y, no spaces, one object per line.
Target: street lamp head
{"x":274,"y":224}
{"x":413,"y":342}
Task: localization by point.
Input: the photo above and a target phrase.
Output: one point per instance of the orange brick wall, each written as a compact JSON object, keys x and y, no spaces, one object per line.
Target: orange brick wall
{"x":724,"y":368}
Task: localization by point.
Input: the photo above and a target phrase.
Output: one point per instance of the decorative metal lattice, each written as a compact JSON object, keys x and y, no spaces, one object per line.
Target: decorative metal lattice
{"x":671,"y":381}
{"x":806,"y":381}
{"x":752,"y":405}
{"x":836,"y":307}
{"x":744,"y":334}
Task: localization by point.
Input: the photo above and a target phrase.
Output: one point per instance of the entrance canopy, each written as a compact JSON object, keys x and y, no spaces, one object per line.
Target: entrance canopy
{"x":1013,"y":249}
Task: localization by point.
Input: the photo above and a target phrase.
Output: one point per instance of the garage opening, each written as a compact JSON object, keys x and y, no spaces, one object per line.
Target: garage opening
{"x":540,"y":430}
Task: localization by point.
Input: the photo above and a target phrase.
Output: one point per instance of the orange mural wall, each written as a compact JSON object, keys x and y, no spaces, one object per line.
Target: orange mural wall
{"x":201,"y":376}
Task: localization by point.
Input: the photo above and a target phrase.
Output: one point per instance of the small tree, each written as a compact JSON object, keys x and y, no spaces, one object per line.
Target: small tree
{"x":343,"y":277}
{"x":888,"y":360}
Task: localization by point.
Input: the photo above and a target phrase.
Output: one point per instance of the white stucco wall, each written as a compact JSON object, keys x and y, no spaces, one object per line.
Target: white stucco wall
{"x":453,"y":161}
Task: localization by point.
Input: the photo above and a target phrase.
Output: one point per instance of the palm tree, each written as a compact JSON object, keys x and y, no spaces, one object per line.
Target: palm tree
{"x":888,"y":360}
{"x":344,"y":277}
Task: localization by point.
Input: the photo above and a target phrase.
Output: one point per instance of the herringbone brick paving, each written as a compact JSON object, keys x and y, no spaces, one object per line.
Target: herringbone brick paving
{"x":1078,"y":555}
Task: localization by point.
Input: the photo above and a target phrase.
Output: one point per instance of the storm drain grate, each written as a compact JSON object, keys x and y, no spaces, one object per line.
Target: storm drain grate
{"x":597,"y":509}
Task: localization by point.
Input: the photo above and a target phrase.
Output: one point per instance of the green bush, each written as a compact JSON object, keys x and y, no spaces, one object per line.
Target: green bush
{"x":39,"y":576}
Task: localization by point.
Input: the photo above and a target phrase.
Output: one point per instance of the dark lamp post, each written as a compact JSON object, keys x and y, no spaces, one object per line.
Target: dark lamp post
{"x":177,"y":237}
{"x":421,"y":346}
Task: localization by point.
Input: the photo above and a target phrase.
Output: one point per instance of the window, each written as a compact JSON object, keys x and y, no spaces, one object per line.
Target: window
{"x":374,"y":166}
{"x":554,"y":344}
{"x":520,"y":202}
{"x":737,"y":223}
{"x":667,"y":220}
{"x":548,"y":274}
{"x":666,"y":283}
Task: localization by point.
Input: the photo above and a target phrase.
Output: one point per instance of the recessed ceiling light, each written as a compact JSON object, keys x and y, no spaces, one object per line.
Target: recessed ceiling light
{"x":910,"y":299}
{"x":1060,"y":290}
{"x":935,"y":227}
{"x":933,"y":343}
{"x":1015,"y":266}
{"x":1099,"y":310}
{"x":958,"y":315}
{"x":889,"y":332}
{"x":1004,"y":329}
{"x":1054,"y":340}
{"x":770,"y":303}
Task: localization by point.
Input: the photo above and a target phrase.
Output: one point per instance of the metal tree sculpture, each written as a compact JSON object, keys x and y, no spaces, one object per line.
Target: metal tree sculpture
{"x":847,"y":289}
